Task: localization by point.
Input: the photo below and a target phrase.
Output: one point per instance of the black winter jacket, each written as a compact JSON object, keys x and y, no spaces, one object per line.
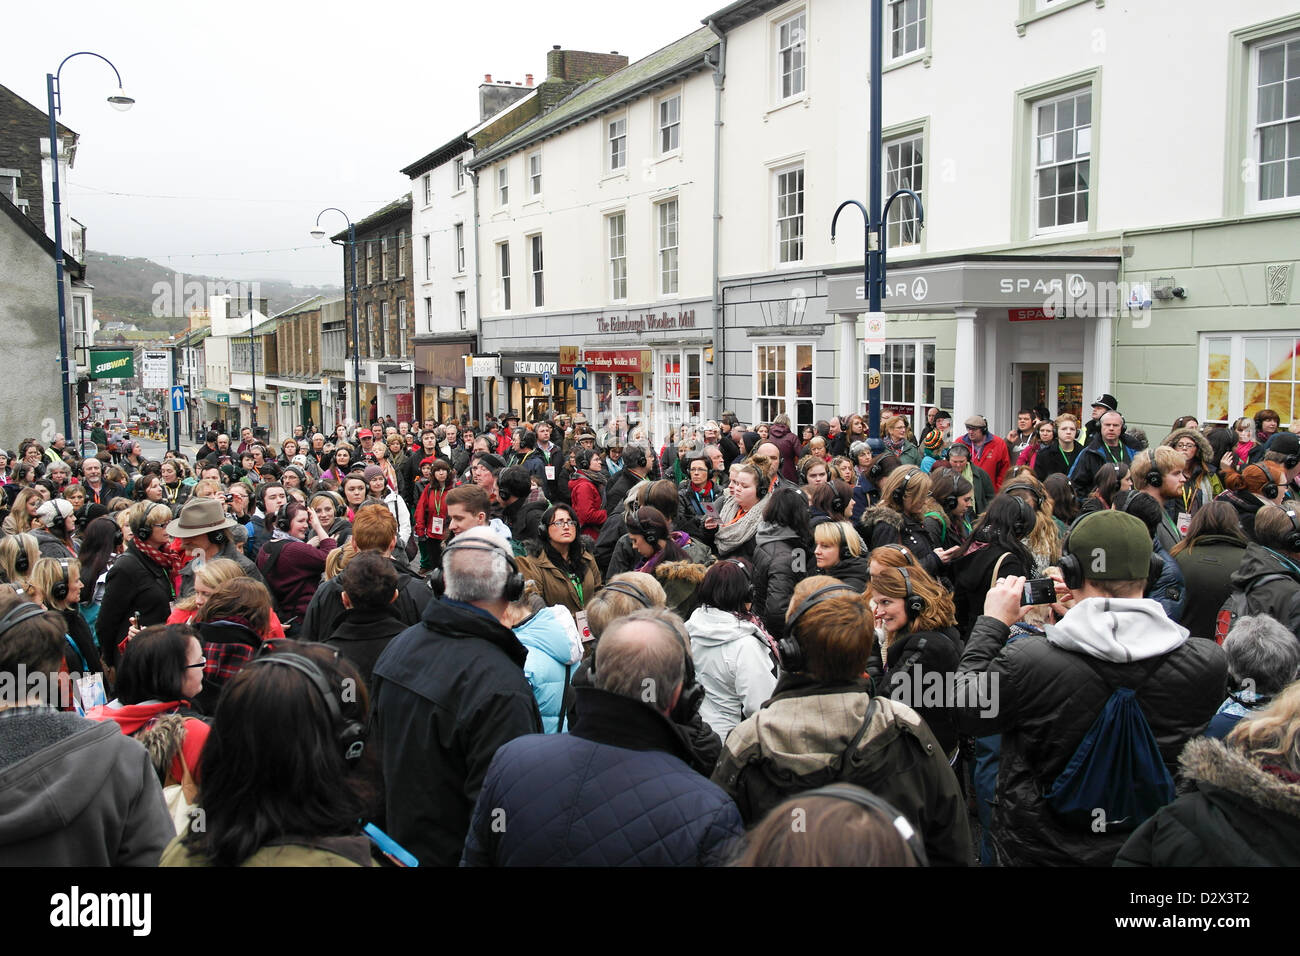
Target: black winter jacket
{"x":1048,"y":697}
{"x":448,"y":693}
{"x":972,"y":576}
{"x":326,"y":608}
{"x":615,"y":791}
{"x":362,"y":634}
{"x":1207,"y":566}
{"x":134,"y":584}
{"x":910,"y":659}
{"x":1279,"y":596}
{"x":1237,"y":814}
{"x":883,"y":525}
{"x":855,"y":572}
{"x":776,"y":572}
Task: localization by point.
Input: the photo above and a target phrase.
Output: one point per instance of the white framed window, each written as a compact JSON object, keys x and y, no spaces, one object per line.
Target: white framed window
{"x":370,"y":263}
{"x":1275,"y":122}
{"x":1242,"y":373}
{"x":907,"y":378}
{"x":370,"y":329}
{"x":503,"y":257}
{"x":428,"y":313}
{"x":789,"y":214}
{"x":427,"y":182}
{"x":428,"y":258}
{"x":385,"y":258}
{"x":1062,"y":162}
{"x":460,"y":174}
{"x":401,"y":253}
{"x":460,"y":247}
{"x":666,"y":215}
{"x":904,"y":169}
{"x":401,"y":326}
{"x":535,"y":174}
{"x":905,"y":26}
{"x":791,"y":55}
{"x":383,"y":330}
{"x":784,"y":373}
{"x":535,"y":258}
{"x":503,"y":186}
{"x":460,"y":309}
{"x":616,"y":143}
{"x":616,"y":229}
{"x":669,"y":115}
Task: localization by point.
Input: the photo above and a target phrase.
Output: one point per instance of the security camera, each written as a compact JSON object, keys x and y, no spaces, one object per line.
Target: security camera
{"x":1179,"y":292}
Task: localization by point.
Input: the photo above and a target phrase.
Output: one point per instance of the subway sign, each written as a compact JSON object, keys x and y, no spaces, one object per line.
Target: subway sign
{"x":112,"y":364}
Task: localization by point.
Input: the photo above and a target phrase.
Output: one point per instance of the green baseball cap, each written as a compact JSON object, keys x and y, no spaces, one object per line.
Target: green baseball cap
{"x":1111,"y":546}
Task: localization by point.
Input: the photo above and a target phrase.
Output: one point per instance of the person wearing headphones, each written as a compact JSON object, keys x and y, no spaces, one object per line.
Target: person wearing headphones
{"x":905,"y":501}
{"x":996,"y":548}
{"x":449,"y":692}
{"x":1055,"y":692}
{"x":1250,"y":490}
{"x":987,"y":452}
{"x":1159,"y":474}
{"x":59,"y":582}
{"x":840,"y":553}
{"x":846,"y":731}
{"x":53,"y":526}
{"x":202,"y":529}
{"x":636,"y":466}
{"x":140,"y":585}
{"x":1269,"y":573}
{"x":565,"y":571}
{"x":917,"y":641}
{"x":1108,"y":447}
{"x":293,"y":561}
{"x":554,"y":790}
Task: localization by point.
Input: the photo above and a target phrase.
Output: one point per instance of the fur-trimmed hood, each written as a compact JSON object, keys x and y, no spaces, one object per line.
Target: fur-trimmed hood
{"x":1210,"y":761}
{"x":1206,"y":451}
{"x":688,"y":571}
{"x":881,"y":513}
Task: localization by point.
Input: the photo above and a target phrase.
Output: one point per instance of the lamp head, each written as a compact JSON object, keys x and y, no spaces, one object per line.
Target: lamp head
{"x":318,"y":233}
{"x":121,"y":101}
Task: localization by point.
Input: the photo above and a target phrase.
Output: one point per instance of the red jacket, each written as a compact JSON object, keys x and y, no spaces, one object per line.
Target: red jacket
{"x":588,"y":505}
{"x":994,"y":458}
{"x":432,"y":504}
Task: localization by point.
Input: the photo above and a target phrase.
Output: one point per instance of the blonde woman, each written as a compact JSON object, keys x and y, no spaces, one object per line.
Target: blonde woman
{"x":1044,"y":540}
{"x":207,"y":579}
{"x":59,"y":580}
{"x":23,"y":511}
{"x":18,"y":555}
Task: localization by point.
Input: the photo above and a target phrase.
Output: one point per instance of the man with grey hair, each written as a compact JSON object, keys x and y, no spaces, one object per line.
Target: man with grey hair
{"x":617,"y":790}
{"x":1263,"y":657}
{"x":448,"y":692}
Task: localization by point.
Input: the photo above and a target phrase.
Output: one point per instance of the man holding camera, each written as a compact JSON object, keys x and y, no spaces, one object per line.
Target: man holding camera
{"x":1050,"y":691}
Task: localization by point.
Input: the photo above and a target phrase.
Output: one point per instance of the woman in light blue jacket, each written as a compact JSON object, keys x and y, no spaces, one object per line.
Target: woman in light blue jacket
{"x":735,"y":658}
{"x":554,"y":650}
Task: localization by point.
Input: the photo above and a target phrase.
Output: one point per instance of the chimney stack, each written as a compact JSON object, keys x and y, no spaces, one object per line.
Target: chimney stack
{"x":529,"y":79}
{"x":487,"y":77}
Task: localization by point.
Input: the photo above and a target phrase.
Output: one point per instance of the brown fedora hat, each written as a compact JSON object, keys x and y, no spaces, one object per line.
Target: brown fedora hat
{"x":200,"y":516}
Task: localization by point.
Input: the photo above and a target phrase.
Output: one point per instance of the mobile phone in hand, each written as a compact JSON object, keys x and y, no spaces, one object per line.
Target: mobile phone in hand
{"x":1038,"y":591}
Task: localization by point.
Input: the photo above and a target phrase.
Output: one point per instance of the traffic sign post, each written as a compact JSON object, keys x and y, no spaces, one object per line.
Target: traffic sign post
{"x":579,"y":378}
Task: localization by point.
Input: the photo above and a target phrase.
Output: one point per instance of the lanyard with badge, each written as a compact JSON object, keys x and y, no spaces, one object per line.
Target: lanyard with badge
{"x":580,"y":616}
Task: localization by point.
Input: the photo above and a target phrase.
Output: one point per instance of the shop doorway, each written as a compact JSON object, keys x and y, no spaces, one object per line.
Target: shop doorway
{"x":1057,"y":386}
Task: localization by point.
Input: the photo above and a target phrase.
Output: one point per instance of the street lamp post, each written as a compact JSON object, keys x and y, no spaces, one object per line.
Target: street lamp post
{"x":54,"y":101}
{"x":319,"y":233}
{"x":874,"y":261}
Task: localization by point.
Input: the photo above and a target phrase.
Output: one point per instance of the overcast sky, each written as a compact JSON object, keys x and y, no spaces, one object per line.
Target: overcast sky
{"x":253,"y":116}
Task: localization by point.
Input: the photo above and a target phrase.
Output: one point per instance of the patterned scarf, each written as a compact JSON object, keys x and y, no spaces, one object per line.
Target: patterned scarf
{"x":169,"y":561}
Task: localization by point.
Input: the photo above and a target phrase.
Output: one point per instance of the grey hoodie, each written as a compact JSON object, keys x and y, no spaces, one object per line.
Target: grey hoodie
{"x":1093,"y":627}
{"x":76,"y":793}
{"x":732,"y":664}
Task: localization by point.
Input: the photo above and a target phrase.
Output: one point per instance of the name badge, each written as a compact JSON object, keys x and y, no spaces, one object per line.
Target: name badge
{"x":550,"y":472}
{"x":580,"y":617}
{"x":1184,"y":523}
{"x":435,"y":526}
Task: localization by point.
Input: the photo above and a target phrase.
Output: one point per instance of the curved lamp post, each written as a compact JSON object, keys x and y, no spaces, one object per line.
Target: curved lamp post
{"x":319,"y":233}
{"x":54,"y":100}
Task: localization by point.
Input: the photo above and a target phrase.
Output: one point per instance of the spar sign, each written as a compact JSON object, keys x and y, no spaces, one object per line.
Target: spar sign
{"x":112,"y":364}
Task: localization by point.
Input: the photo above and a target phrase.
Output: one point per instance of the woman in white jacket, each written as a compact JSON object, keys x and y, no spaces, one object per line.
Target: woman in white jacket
{"x":735,"y":658}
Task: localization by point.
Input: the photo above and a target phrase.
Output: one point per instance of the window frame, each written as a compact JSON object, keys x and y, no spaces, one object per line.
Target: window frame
{"x":385,"y":258}
{"x":401,"y":253}
{"x":778,"y":175}
{"x":1252,"y":201}
{"x":1237,"y":375}
{"x":401,"y":326}
{"x":616,"y":263}
{"x":458,"y":236}
{"x":503,"y":274}
{"x":788,"y":18}
{"x":918,"y":373}
{"x":459,"y":174}
{"x":428,"y":257}
{"x":428,"y":312}
{"x":427,"y":180}
{"x":503,"y":186}
{"x":534,"y":163}
{"x":537,"y":270}
{"x":1037,"y":166}
{"x":1024,"y":210}
{"x":661,"y":249}
{"x":608,"y":144}
{"x":384,"y":328}
{"x":661,"y":127}
{"x":922,"y":53}
{"x":461,"y":309}
{"x":790,"y":386}
{"x":893,"y":135}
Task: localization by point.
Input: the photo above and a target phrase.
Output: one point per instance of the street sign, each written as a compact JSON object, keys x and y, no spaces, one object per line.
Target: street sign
{"x":546,"y":380}
{"x":178,"y":398}
{"x":875,"y":337}
{"x":580,"y":378}
{"x":156,"y":369}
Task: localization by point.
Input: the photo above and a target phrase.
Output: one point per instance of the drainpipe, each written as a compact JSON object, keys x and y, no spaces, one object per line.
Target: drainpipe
{"x":478,"y":275}
{"x":719,"y":346}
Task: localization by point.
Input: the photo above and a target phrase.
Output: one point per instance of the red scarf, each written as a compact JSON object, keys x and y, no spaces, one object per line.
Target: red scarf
{"x":169,"y":561}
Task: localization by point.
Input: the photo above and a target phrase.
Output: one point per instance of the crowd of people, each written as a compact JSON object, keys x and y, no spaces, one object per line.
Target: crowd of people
{"x":534,"y":643}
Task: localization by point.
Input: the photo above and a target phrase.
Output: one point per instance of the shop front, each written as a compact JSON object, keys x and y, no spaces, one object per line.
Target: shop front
{"x":440,"y":393}
{"x":525,"y":379}
{"x":985,"y":335}
{"x":216,"y":407}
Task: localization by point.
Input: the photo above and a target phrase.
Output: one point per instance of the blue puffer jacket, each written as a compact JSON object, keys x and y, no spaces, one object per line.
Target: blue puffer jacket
{"x":615,"y":791}
{"x":549,"y":650}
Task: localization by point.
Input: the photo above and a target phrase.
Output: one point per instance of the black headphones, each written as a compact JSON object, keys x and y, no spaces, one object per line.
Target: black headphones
{"x":903,"y":550}
{"x":838,"y":504}
{"x":1039,"y":497}
{"x":1153,"y":477}
{"x":692,"y":695}
{"x":351,"y":734}
{"x":949,"y":502}
{"x":1072,"y":568}
{"x":1025,"y":520}
{"x":1269,"y":490}
{"x":845,"y":553}
{"x":59,"y":589}
{"x":635,"y":525}
{"x":913,"y":603}
{"x":140,"y":527}
{"x":622,"y":587}
{"x":1293,"y":538}
{"x":22,"y":563}
{"x":19,"y":613}
{"x":792,"y":657}
{"x":634,"y":457}
{"x":869,"y":801}
{"x":281,"y":519}
{"x":749,"y":578}
{"x":514,"y":581}
{"x":901,"y":491}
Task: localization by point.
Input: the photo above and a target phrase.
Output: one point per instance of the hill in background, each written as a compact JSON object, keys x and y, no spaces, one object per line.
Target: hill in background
{"x":127,"y":290}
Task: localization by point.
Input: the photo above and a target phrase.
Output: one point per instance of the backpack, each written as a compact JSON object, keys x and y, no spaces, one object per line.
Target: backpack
{"x":1117,"y":768}
{"x":1238,"y":604}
